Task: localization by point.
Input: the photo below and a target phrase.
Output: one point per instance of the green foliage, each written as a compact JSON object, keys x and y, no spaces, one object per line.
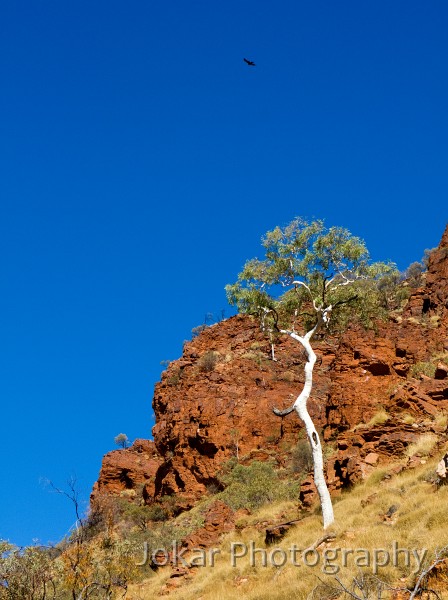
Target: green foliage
{"x":255,"y":485}
{"x":302,"y":457}
{"x":24,"y":574}
{"x":122,"y":440}
{"x":414,"y":274}
{"x":422,"y":368}
{"x":158,"y":513}
{"x":69,"y":571}
{"x":308,"y":268}
{"x":141,"y":516}
{"x":174,"y":377}
{"x":389,"y":290}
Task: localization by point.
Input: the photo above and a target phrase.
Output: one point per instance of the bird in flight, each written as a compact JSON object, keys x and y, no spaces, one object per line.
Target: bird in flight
{"x":249,"y":62}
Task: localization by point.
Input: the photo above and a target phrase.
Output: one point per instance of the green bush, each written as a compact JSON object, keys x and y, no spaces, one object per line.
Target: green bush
{"x":174,"y":377}
{"x":25,"y":574}
{"x":255,"y":485}
{"x":302,"y":457}
{"x":157,"y":513}
{"x":422,"y":368}
{"x":141,"y":516}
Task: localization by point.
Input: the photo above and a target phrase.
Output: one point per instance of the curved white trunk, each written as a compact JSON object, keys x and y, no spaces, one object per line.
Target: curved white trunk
{"x":300,"y":406}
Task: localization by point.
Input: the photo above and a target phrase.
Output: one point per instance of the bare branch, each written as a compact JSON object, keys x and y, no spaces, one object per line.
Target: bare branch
{"x":340,"y":302}
{"x":347,"y":591}
{"x":301,"y":283}
{"x":72,"y":495}
{"x":440,"y":557}
{"x":269,"y":311}
{"x":346,"y":280}
{"x":284,"y":412}
{"x":328,"y":280}
{"x":330,"y":536}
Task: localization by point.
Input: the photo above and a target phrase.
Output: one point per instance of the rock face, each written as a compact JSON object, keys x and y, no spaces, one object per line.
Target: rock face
{"x":216,"y":401}
{"x":218,"y":519}
{"x":127,"y":471}
{"x":432,"y":300}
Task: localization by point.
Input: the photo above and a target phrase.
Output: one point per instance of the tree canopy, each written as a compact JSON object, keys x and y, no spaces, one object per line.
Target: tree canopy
{"x":310,"y":271}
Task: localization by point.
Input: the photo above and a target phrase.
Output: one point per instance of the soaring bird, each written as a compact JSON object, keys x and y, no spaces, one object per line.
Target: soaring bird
{"x":249,"y":62}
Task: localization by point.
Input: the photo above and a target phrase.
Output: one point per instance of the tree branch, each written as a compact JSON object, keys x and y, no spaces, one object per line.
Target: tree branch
{"x":330,"y":536}
{"x":73,"y":496}
{"x":296,"y":283}
{"x":340,"y":302}
{"x":274,"y":313}
{"x":347,"y":591}
{"x":284,"y":412}
{"x":440,"y":557}
{"x":347,"y":280}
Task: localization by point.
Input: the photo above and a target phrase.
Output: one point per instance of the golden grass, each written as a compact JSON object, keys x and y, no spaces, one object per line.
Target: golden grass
{"x":418,"y":523}
{"x":408,"y":419}
{"x":378,"y":418}
{"x":441,"y":420}
{"x":423,"y":446}
{"x":440,"y":356}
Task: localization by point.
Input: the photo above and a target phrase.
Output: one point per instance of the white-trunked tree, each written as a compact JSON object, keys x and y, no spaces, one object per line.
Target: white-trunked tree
{"x":312,"y":279}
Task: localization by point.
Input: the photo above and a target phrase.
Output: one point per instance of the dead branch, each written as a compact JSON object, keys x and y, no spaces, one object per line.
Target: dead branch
{"x":330,"y":536}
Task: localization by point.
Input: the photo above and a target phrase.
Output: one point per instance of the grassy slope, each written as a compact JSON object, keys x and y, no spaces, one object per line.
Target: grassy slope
{"x":419,"y":522}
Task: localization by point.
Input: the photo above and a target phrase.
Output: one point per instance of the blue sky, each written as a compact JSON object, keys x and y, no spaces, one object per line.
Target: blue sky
{"x":140,"y":162}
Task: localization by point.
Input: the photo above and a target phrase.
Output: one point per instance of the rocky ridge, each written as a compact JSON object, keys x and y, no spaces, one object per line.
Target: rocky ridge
{"x":371,"y":399}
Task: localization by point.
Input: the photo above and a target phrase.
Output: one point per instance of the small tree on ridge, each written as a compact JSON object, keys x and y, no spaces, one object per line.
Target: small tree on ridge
{"x":122,"y":440}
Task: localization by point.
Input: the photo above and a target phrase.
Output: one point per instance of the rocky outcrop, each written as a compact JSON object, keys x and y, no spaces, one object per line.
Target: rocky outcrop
{"x":216,"y":401}
{"x":218,"y":519}
{"x":127,"y":471}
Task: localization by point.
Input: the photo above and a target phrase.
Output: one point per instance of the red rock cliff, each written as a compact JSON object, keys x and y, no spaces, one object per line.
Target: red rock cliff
{"x":216,"y":401}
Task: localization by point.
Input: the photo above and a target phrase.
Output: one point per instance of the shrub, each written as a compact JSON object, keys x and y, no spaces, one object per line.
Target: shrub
{"x":414,"y":274}
{"x":174,"y":377}
{"x":25,"y":573}
{"x":136,"y":515}
{"x":422,"y":368}
{"x":255,"y":485}
{"x":198,"y":330}
{"x":208,"y":361}
{"x":157,"y":513}
{"x":408,"y":419}
{"x":302,"y":457}
{"x":170,"y":505}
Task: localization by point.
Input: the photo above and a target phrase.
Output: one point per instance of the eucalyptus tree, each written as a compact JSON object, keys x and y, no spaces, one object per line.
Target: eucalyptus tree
{"x":312,"y":279}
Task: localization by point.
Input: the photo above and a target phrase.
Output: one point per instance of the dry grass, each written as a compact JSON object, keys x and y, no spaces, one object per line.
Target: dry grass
{"x":440,"y":357}
{"x":441,"y":420}
{"x":408,"y":419}
{"x":418,"y":523}
{"x":423,"y":446}
{"x":378,"y":418}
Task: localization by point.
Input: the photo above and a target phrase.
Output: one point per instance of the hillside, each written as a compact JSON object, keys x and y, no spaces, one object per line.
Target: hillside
{"x":380,"y":399}
{"x":217,"y":399}
{"x":222,"y":504}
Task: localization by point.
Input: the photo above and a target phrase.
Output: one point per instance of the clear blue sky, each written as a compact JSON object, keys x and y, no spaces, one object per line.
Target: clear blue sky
{"x":141,"y":160}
